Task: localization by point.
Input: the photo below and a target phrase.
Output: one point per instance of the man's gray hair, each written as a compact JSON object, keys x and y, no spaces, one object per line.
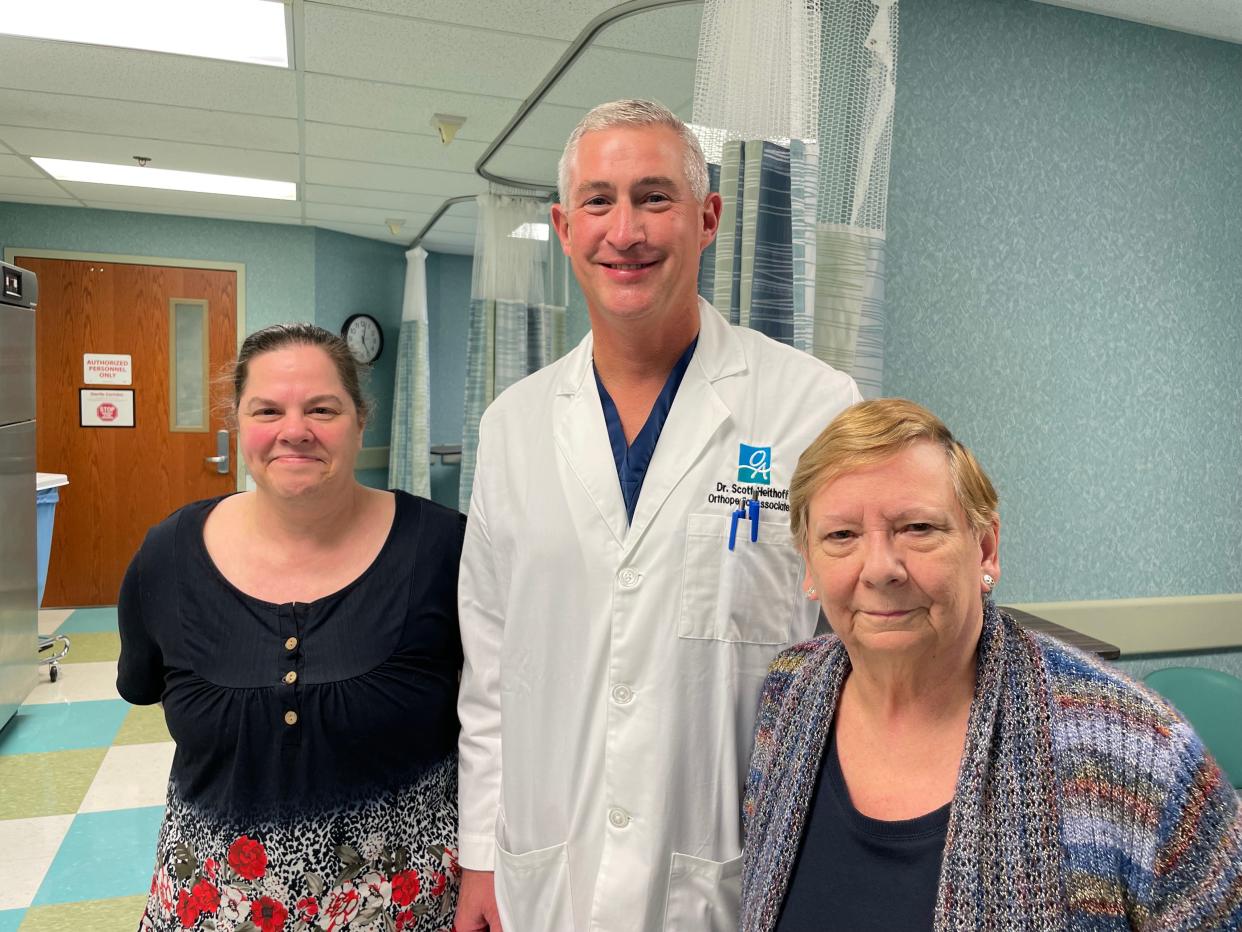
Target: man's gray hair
{"x":636,"y":113}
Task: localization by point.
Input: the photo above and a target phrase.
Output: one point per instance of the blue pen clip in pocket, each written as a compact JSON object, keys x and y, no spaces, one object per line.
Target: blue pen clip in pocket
{"x":750,"y":511}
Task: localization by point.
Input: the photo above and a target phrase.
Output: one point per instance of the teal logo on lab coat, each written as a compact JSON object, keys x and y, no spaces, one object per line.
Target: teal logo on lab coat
{"x":754,"y":465}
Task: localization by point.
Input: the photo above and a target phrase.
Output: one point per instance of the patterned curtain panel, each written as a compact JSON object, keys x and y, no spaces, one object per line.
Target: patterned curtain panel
{"x":409,"y":450}
{"x":753,"y":282}
{"x":519,"y":286}
{"x":794,"y":103}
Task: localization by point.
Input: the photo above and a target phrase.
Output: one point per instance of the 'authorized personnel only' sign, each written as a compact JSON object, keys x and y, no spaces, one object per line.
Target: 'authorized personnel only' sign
{"x":107,"y":369}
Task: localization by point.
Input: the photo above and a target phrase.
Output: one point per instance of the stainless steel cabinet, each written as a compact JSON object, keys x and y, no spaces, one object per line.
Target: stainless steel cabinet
{"x":18,"y":582}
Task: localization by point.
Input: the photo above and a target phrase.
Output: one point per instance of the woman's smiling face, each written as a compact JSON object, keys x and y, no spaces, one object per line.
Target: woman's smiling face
{"x":298,"y":428}
{"x":894,"y":559}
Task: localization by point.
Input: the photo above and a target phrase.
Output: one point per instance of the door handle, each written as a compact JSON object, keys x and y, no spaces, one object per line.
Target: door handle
{"x":221,"y":459}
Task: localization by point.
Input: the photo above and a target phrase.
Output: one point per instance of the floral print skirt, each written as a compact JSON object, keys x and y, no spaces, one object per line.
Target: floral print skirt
{"x":383,"y":865}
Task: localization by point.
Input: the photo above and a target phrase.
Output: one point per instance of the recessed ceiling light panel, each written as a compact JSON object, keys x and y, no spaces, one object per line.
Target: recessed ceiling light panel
{"x":133,"y":176}
{"x":234,"y":30}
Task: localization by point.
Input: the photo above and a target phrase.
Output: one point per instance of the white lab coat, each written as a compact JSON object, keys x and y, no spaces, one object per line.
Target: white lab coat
{"x":617,"y":669}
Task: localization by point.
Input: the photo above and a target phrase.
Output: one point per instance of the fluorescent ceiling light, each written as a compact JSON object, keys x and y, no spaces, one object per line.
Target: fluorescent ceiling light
{"x":133,"y":176}
{"x":531,"y":231}
{"x":235,"y":30}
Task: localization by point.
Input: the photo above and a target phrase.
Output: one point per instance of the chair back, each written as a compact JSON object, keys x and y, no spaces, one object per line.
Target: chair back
{"x":1211,"y":701}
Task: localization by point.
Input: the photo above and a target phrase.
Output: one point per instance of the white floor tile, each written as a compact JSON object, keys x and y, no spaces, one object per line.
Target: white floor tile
{"x":52,"y":618}
{"x":77,"y":682}
{"x":130,"y":776}
{"x":27,"y":847}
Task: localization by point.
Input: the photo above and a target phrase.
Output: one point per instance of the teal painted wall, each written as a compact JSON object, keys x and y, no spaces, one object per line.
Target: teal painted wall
{"x":448,"y":313}
{"x":448,"y":318}
{"x":356,"y":276}
{"x":1065,"y":286}
{"x":280,"y":259}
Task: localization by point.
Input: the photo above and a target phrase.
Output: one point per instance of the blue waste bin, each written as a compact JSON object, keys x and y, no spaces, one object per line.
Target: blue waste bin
{"x":46,"y":497}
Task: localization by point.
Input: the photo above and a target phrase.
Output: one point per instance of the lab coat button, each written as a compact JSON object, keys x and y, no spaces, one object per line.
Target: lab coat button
{"x":622,"y":694}
{"x":628,"y":578}
{"x":618,"y":817}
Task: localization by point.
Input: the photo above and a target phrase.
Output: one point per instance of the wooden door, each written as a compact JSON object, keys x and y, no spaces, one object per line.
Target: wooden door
{"x":123,"y":480}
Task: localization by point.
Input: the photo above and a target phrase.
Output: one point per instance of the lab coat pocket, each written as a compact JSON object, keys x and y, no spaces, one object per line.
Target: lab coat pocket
{"x":532,"y":889}
{"x":746,"y":595}
{"x":703,"y":896}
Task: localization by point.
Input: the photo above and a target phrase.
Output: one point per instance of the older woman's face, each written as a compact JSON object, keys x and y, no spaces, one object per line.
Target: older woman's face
{"x":895,"y":562}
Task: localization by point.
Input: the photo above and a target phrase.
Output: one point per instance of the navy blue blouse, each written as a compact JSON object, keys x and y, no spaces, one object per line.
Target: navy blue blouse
{"x":324,"y":733}
{"x":858,"y":874}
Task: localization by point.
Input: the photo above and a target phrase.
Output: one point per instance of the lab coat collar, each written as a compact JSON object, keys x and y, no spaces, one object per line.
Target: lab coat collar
{"x":718,"y":354}
{"x":697,"y":413}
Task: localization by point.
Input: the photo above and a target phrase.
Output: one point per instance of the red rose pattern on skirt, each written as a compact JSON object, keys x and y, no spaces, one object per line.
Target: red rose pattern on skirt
{"x":383,"y":866}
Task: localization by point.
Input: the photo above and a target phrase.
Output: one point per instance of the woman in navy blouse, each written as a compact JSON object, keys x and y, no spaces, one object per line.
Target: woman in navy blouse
{"x":303,"y":640}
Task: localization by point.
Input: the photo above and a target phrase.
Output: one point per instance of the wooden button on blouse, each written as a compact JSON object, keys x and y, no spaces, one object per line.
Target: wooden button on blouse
{"x":291,"y":717}
{"x":291,"y":676}
{"x":291,"y":643}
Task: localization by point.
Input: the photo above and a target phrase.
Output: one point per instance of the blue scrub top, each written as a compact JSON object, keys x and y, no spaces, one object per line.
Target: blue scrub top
{"x":632,"y":460}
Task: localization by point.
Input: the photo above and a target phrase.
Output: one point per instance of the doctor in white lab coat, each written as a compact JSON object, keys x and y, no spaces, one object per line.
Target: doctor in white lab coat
{"x":613,"y":662}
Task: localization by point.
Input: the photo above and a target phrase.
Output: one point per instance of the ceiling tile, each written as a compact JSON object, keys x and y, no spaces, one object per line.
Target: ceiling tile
{"x":408,"y":149}
{"x":153,"y":121}
{"x":351,"y":102}
{"x":547,"y":126}
{"x":384,"y":200}
{"x":13,"y":166}
{"x":39,"y":199}
{"x":153,"y":77}
{"x":347,"y":174}
{"x":31,"y":187}
{"x":672,"y":31}
{"x":562,"y":19}
{"x":195,"y":212}
{"x":536,"y":166}
{"x":601,"y":74}
{"x":1217,"y":19}
{"x":388,"y":48}
{"x":452,"y":243}
{"x":365,"y":231}
{"x":281,"y":166}
{"x":376,"y":216}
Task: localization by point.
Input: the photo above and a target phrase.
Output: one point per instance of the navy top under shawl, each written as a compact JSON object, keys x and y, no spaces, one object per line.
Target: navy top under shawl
{"x":375,"y":668}
{"x":633,"y":459}
{"x":858,"y":874}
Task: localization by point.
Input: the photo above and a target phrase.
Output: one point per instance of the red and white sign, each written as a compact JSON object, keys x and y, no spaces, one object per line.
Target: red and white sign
{"x":106,"y":408}
{"x":107,"y":369}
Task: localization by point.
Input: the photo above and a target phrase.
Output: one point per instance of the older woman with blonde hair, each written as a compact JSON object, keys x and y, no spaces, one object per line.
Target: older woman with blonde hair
{"x":930,"y":764}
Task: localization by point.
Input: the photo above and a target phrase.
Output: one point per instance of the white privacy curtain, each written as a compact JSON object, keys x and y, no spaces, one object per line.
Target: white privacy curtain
{"x":410,"y":446}
{"x":518,"y":293}
{"x":794,"y":102}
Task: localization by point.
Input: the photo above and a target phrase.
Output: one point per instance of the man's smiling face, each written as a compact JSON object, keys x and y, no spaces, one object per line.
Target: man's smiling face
{"x":631,"y":226}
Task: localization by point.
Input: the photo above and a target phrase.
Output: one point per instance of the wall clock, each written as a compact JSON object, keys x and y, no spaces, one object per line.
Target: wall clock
{"x":364,"y":337}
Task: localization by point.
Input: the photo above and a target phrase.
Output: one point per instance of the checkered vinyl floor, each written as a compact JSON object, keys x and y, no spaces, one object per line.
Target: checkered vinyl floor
{"x":83,"y":776}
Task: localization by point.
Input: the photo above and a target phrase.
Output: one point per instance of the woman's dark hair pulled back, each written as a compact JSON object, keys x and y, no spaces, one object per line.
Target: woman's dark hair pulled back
{"x":279,"y":336}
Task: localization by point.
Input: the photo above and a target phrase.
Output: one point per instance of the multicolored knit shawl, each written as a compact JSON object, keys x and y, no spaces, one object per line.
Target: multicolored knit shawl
{"x":1083,"y":802}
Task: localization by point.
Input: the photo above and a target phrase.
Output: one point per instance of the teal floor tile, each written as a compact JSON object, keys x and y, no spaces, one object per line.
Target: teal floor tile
{"x":89,"y":620}
{"x":63,"y":726}
{"x":10,"y":919}
{"x":104,"y":854}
